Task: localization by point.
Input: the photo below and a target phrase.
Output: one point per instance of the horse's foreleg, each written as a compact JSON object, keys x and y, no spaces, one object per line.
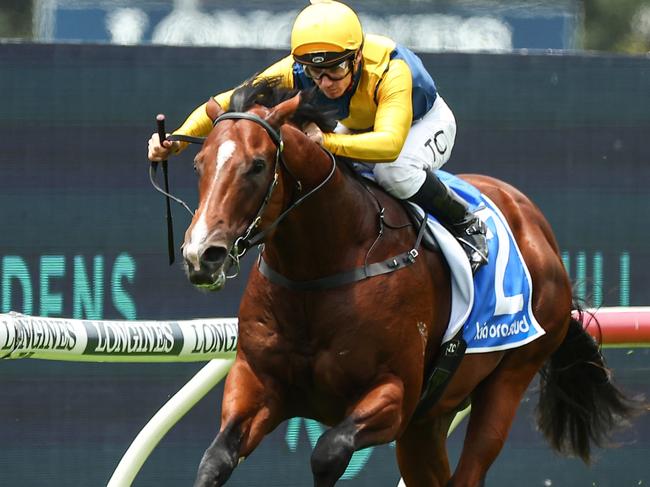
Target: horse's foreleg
{"x":375,"y":419}
{"x":250,"y":411}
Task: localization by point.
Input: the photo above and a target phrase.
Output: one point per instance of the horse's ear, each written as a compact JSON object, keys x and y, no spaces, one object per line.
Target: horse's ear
{"x":282,"y":111}
{"x":213,"y":109}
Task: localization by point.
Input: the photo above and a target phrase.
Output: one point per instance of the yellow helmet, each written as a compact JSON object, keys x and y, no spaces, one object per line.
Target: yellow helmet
{"x":325,"y":33}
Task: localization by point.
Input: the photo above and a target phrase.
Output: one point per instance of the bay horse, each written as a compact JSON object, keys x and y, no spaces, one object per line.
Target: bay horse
{"x":353,"y":353}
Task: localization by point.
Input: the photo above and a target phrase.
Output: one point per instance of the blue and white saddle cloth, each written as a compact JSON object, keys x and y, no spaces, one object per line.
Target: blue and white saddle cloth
{"x":494,"y":306}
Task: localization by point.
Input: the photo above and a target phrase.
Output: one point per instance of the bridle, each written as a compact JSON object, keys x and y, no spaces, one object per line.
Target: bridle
{"x":252,"y":235}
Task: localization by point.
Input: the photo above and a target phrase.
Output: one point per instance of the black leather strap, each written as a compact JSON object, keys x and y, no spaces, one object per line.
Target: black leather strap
{"x":387,"y":266}
{"x":449,"y":359}
{"x":186,"y":138}
{"x":274,"y":134}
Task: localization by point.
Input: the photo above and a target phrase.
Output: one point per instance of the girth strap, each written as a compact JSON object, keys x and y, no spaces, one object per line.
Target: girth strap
{"x":449,"y":359}
{"x":387,"y":266}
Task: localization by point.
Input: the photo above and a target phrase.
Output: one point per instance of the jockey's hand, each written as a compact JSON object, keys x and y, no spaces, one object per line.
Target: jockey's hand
{"x":312,"y":131}
{"x":159,"y":152}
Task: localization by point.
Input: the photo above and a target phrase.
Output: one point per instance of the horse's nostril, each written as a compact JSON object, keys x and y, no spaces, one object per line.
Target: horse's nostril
{"x":214,"y":255}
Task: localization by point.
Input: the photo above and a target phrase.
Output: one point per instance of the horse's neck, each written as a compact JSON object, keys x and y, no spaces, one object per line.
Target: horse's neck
{"x":331,"y":230}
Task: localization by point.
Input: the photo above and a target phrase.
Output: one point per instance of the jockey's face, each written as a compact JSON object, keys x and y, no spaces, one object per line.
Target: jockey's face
{"x":333,"y":88}
{"x":335,"y":80}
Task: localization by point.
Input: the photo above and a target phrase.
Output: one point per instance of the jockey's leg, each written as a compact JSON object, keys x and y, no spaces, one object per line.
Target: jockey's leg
{"x":412,"y":176}
{"x":422,"y":451}
{"x":374,"y":420}
{"x":442,"y":202}
{"x":250,"y":411}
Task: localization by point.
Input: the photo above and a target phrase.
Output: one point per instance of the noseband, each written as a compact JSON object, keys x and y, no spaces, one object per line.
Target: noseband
{"x":249,"y":239}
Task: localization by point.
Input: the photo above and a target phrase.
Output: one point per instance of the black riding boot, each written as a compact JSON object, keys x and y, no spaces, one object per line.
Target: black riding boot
{"x":436,"y":198}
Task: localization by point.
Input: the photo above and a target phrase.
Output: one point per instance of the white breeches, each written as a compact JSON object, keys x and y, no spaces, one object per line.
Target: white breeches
{"x":427,"y":147}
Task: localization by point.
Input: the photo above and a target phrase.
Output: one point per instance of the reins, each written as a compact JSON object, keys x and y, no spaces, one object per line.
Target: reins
{"x":249,"y":239}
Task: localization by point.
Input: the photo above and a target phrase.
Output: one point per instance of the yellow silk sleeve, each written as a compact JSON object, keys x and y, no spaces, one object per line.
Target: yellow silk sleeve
{"x":198,"y":124}
{"x":393,"y":121}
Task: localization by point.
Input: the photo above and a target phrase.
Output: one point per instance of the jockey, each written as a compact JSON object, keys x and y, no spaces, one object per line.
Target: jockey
{"x":389,"y":111}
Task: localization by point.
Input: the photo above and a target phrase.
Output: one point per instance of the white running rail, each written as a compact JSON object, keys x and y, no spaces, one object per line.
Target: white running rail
{"x":184,"y":400}
{"x":199,"y":340}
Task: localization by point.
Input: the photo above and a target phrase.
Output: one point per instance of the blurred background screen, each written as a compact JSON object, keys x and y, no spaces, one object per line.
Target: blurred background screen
{"x":553,"y":97}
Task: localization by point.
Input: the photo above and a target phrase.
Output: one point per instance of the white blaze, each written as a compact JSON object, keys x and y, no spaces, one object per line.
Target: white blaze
{"x":192,"y":249}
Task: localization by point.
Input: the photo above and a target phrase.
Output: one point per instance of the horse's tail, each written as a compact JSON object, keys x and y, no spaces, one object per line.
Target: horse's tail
{"x":578,"y":403}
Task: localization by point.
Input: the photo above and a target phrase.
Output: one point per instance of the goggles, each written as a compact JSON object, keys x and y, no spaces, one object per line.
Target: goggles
{"x":334,"y":73}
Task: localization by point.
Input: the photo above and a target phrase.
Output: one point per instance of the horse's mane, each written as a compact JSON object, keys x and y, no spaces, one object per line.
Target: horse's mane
{"x":268,"y":92}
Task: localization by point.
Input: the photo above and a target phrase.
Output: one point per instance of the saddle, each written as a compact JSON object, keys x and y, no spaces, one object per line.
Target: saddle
{"x":428,"y":240}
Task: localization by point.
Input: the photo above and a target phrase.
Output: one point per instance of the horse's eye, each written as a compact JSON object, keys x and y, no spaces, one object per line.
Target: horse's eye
{"x":258,"y":166}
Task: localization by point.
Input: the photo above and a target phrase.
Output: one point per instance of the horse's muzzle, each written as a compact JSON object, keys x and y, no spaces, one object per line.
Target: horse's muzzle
{"x":211,"y":272}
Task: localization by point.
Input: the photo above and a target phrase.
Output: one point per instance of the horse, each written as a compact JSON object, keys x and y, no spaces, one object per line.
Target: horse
{"x":319,"y":338}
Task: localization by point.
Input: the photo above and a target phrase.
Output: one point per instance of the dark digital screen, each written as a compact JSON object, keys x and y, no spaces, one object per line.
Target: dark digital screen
{"x":84,"y":237}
